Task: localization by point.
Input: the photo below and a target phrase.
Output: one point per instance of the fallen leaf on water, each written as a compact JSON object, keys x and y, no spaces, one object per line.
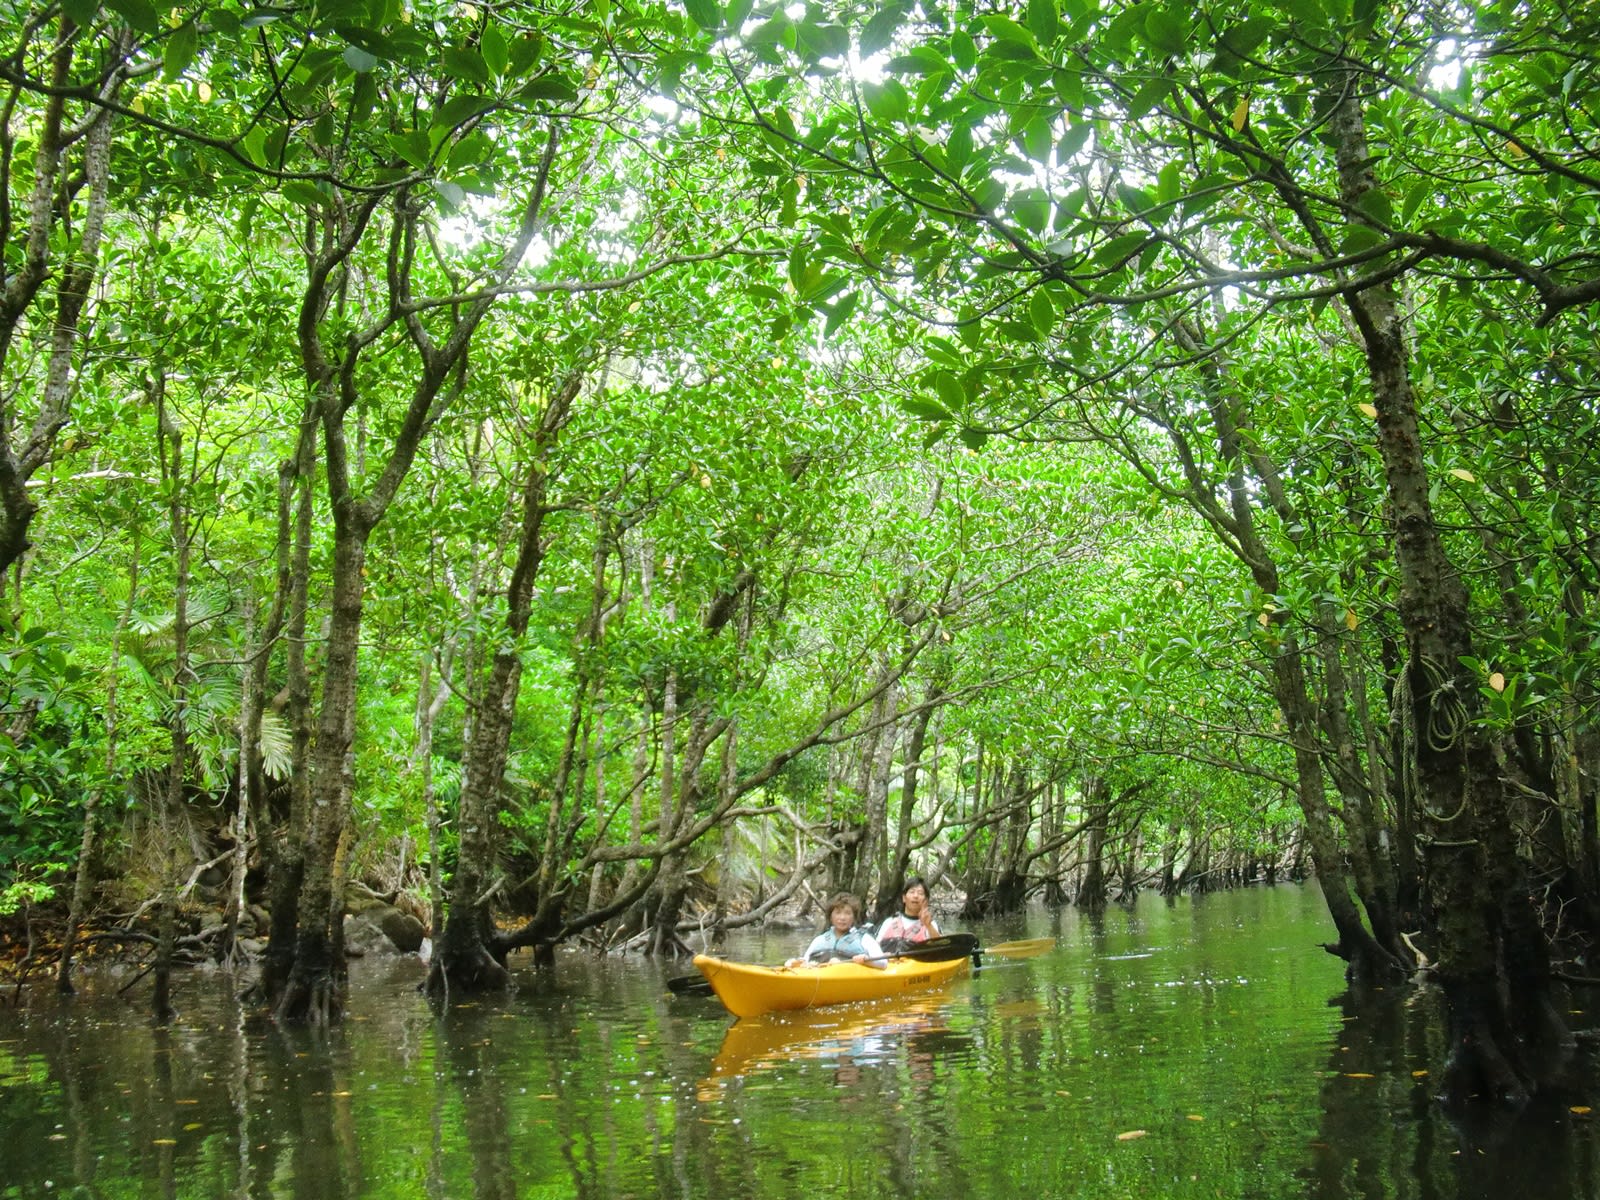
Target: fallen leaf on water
{"x":193,"y":1125}
{"x":546,"y":1096}
{"x":1581,"y":1110}
{"x":341,"y":1093}
{"x":1419,"y":1074}
{"x":1059,"y":1093}
{"x":56,"y":1137}
{"x":187,"y":1102}
{"x":1196,"y":1117}
{"x":1131,"y":1135}
{"x":164,"y":1141}
{"x":1357,"y":1075}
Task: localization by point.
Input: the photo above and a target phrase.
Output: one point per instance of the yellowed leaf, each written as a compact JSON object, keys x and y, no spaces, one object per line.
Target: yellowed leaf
{"x":1351,"y":620}
{"x":1581,"y":1110}
{"x":1419,"y":1074}
{"x":1462,"y":474}
{"x":1241,"y":114}
{"x":1196,"y":1117}
{"x":137,"y":104}
{"x":1367,"y":410}
{"x":1131,"y":1135}
{"x":1497,"y":681}
{"x":203,"y":90}
{"x":1263,"y":618}
{"x":1515,"y":150}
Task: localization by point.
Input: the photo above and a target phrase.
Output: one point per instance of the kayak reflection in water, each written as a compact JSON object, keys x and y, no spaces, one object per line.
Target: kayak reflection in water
{"x":914,"y":923}
{"x":842,"y":940}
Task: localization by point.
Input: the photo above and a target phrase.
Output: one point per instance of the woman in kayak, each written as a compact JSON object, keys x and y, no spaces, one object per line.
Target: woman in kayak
{"x":914,"y":923}
{"x":842,"y":940}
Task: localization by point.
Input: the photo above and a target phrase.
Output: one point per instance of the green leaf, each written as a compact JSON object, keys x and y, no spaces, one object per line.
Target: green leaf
{"x":140,"y":14}
{"x":302,"y":192}
{"x":840,"y":313}
{"x":1030,"y":208}
{"x":951,"y":394}
{"x":414,"y":147}
{"x":359,"y":60}
{"x":778,"y":31}
{"x":458,"y":109}
{"x":1072,"y":141}
{"x":182,"y":43}
{"x":1376,"y":205}
{"x":81,"y":12}
{"x":1422,"y":190}
{"x":974,"y":439}
{"x":1169,"y":184}
{"x":496,"y":50}
{"x":958,"y":149}
{"x":1119,"y":248}
{"x":370,"y":40}
{"x":1244,"y":38}
{"x":926,"y":410}
{"x":705,"y":13}
{"x":549,"y":86}
{"x":453,"y":195}
{"x":1043,"y":21}
{"x":887,"y":101}
{"x":1359,"y":238}
{"x":1167,"y":31}
{"x":1004,"y":29}
{"x":1042,"y":312}
{"x":815,"y":41}
{"x":880,"y":30}
{"x":1147,"y":97}
{"x":465,"y":62}
{"x":963,"y":50}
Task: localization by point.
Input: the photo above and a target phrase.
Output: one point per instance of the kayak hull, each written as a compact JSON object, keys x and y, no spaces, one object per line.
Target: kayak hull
{"x":747,"y":990}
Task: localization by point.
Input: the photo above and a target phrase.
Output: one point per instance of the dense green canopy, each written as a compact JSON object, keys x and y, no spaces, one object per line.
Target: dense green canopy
{"x":601,"y":469}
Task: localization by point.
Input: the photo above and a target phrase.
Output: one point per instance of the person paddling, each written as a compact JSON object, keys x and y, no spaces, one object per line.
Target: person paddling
{"x":914,"y":923}
{"x":842,"y":940}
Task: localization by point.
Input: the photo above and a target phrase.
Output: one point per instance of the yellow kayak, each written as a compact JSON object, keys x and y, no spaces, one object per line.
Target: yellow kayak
{"x":748,"y":990}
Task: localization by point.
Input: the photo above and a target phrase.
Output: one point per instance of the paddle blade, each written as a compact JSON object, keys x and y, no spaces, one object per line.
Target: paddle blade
{"x":1030,"y":948}
{"x":690,"y":985}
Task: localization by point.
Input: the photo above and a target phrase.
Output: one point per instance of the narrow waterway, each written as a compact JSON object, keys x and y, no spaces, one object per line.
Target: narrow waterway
{"x":1204,"y":1048}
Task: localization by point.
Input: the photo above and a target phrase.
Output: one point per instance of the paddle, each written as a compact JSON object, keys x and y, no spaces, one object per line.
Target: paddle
{"x":939,"y":949}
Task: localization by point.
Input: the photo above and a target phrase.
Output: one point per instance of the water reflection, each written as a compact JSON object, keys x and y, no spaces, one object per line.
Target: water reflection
{"x":1203,"y":1049}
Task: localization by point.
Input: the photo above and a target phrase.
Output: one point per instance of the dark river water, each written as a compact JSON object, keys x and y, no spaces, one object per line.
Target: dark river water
{"x":1200,"y":1049}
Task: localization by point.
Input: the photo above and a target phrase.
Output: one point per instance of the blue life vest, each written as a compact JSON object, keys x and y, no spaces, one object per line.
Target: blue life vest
{"x":833,"y":945}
